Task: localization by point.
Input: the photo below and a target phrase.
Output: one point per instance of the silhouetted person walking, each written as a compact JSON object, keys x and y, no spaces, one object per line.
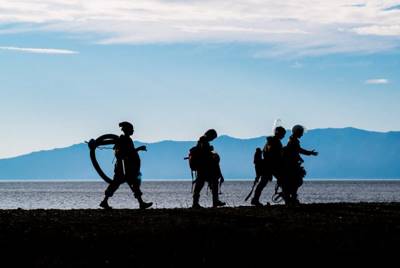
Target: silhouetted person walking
{"x":272,"y":163}
{"x":207,"y":168}
{"x":258,"y":162}
{"x":294,"y":171}
{"x":127,"y":167}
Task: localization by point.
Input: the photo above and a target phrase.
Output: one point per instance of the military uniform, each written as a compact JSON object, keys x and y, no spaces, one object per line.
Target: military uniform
{"x":294,"y":171}
{"x":208,"y":170}
{"x":272,"y":165}
{"x":127,"y":167}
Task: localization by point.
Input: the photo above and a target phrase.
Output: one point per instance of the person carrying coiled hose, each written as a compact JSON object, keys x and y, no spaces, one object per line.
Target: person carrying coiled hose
{"x":127,"y":167}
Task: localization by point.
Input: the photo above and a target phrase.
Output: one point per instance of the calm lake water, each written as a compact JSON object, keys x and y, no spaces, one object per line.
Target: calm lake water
{"x":74,"y":195}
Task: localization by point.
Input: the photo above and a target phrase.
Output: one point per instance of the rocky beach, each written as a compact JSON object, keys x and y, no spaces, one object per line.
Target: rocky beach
{"x":186,"y":237}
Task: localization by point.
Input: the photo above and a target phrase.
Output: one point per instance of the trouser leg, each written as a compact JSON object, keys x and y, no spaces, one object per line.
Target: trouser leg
{"x":292,"y":192}
{"x":134,"y":184}
{"x":214,"y":191}
{"x":112,"y":187}
{"x":260,"y":187}
{"x":284,"y":192}
{"x":295,"y":185}
{"x":198,"y":186}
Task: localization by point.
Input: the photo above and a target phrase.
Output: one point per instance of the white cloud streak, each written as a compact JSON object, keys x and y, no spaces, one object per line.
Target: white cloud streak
{"x":297,"y":65}
{"x":291,"y":27}
{"x":39,"y":50}
{"x":379,"y":30}
{"x":380,"y":81}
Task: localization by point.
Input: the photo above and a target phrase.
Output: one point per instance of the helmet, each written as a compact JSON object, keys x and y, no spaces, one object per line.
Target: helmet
{"x":280,"y":130}
{"x":298,"y":129}
{"x":211,"y":134}
{"x":125,"y":125}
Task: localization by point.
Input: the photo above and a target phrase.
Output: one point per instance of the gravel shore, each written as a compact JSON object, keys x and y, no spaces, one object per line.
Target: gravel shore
{"x":186,"y":237}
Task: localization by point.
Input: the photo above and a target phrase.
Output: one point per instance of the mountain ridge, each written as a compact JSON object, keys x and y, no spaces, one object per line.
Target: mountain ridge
{"x":345,"y":153}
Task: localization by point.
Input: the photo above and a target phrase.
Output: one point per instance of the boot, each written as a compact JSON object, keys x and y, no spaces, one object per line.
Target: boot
{"x":255,"y":202}
{"x":257,"y":194}
{"x":196,"y":204}
{"x":292,"y":201}
{"x":286,"y":199}
{"x":104,"y":204}
{"x":296,"y":200}
{"x":218,"y":203}
{"x":144,"y":205}
{"x":215,"y":195}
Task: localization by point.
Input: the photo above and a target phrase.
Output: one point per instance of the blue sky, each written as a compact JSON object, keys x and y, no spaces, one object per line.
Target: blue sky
{"x":71,"y":70}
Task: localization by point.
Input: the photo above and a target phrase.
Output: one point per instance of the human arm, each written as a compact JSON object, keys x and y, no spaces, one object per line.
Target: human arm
{"x":141,"y":148}
{"x":306,"y":152}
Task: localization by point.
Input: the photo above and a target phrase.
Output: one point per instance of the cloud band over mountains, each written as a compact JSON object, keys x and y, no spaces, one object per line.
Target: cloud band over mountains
{"x":304,"y":27}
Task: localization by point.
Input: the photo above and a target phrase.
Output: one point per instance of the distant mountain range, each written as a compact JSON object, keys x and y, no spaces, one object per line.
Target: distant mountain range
{"x":346,"y":153}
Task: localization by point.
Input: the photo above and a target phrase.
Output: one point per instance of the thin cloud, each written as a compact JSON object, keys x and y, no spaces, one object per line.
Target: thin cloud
{"x":297,"y":65}
{"x":380,"y":81}
{"x":396,"y":7}
{"x":379,"y":30}
{"x":358,"y":5}
{"x":40,"y":50}
{"x":300,"y":27}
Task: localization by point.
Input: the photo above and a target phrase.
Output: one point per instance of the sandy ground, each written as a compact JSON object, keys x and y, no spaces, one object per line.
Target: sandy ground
{"x":184,"y":237}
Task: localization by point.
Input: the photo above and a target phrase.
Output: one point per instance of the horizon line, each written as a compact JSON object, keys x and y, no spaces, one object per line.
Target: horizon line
{"x":190,"y":180}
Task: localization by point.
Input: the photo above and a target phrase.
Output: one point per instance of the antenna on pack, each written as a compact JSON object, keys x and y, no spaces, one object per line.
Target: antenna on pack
{"x":277,"y":123}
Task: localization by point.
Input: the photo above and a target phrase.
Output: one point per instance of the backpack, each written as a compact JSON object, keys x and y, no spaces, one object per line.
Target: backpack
{"x":193,"y":159}
{"x":258,"y":156}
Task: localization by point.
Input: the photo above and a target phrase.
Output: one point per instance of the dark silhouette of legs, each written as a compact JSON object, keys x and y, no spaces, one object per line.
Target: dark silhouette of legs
{"x":289,"y":190}
{"x":215,"y":194}
{"x":112,"y":187}
{"x":285,"y":192}
{"x":134,"y":184}
{"x":198,"y":186}
{"x":260,"y":187}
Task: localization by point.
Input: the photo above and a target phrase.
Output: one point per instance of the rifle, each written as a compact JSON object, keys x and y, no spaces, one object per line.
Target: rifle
{"x":256,"y":180}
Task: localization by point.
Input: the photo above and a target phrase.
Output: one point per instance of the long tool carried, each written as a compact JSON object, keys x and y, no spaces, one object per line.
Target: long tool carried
{"x":108,"y":139}
{"x":277,"y":196}
{"x":256,"y":180}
